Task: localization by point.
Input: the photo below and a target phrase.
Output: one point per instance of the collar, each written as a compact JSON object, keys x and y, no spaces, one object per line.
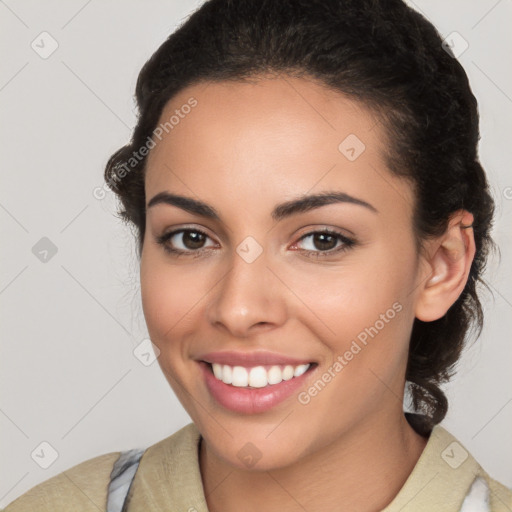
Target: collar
{"x":169,"y":473}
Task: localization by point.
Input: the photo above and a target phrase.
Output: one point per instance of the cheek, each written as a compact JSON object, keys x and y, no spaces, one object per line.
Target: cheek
{"x":345,"y":299}
{"x":362,"y":313}
{"x":168,"y":294}
{"x":376,"y":326}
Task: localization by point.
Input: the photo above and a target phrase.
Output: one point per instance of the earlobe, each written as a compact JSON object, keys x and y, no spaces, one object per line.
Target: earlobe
{"x":449,"y":263}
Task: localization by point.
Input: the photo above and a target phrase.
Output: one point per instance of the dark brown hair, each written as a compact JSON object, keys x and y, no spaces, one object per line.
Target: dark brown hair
{"x":382,"y":53}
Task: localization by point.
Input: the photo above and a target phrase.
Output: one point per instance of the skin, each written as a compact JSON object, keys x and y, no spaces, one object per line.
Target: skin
{"x":243,"y":149}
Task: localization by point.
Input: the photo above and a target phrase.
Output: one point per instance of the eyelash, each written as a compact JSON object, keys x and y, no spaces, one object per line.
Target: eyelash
{"x":347,"y":243}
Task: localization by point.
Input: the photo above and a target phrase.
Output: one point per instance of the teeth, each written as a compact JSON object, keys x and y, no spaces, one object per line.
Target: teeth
{"x":288,"y":372}
{"x":258,"y":376}
{"x":299,"y":370}
{"x":274,"y":375}
{"x":240,"y":377}
{"x":227,"y":374}
{"x":217,"y":370}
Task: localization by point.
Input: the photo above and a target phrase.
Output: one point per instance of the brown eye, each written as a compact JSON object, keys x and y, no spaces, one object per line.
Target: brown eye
{"x":193,"y":239}
{"x":324,"y":243}
{"x":183,"y":241}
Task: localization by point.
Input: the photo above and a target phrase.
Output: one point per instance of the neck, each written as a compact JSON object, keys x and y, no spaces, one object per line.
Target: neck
{"x":363,"y":469}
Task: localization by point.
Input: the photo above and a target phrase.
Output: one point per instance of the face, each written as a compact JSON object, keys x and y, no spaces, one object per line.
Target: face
{"x":244,"y":273}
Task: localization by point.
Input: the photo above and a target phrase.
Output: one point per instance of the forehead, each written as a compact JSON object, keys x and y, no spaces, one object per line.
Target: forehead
{"x":269,"y":138}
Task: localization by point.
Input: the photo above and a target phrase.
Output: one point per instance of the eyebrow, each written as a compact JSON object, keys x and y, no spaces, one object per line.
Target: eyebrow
{"x":287,"y":209}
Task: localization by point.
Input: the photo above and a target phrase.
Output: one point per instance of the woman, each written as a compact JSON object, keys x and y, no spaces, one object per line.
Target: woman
{"x":312,"y":223}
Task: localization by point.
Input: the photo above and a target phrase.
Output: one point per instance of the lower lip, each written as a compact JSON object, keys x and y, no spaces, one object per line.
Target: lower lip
{"x":250,"y":400}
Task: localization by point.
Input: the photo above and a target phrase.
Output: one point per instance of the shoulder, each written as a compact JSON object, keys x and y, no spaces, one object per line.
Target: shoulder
{"x":169,"y":472}
{"x":81,"y":488}
{"x":447,"y":478}
{"x":84,"y":487}
{"x":463,"y":466}
{"x":464,"y":476}
{"x":499,"y":497}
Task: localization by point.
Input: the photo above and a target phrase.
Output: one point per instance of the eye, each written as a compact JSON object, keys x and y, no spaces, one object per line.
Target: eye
{"x":191,"y":242}
{"x":183,"y":241}
{"x":325,"y":243}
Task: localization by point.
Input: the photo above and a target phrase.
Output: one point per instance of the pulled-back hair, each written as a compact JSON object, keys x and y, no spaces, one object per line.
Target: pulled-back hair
{"x":381,"y":53}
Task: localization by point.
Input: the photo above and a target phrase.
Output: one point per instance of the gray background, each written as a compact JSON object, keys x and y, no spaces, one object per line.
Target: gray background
{"x":70,"y":324}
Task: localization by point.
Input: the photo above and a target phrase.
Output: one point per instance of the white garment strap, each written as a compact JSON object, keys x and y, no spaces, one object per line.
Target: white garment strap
{"x":121,"y":479}
{"x":477,"y":498}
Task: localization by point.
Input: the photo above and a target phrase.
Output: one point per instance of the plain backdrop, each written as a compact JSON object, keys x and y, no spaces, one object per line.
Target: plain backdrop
{"x":69,"y":294}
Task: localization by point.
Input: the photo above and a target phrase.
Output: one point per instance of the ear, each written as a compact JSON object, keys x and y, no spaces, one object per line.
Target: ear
{"x":448,"y":264}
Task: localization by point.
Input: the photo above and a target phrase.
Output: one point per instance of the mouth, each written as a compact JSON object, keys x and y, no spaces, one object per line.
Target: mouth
{"x":256,"y":376}
{"x":254,"y":389}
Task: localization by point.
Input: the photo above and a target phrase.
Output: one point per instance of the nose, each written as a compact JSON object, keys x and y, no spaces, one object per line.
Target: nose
{"x":249,"y":298}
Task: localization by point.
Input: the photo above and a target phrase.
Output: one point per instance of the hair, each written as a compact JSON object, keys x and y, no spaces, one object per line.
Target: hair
{"x":388,"y":57}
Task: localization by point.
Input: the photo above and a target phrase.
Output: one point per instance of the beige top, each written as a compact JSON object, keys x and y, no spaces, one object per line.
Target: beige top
{"x":169,"y":479}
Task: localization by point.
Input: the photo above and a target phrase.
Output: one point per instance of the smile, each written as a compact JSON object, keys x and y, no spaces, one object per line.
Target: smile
{"x":256,"y":389}
{"x":257,"y":376}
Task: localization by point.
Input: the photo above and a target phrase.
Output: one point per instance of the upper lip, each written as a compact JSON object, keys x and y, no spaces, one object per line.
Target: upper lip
{"x":233,"y":358}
